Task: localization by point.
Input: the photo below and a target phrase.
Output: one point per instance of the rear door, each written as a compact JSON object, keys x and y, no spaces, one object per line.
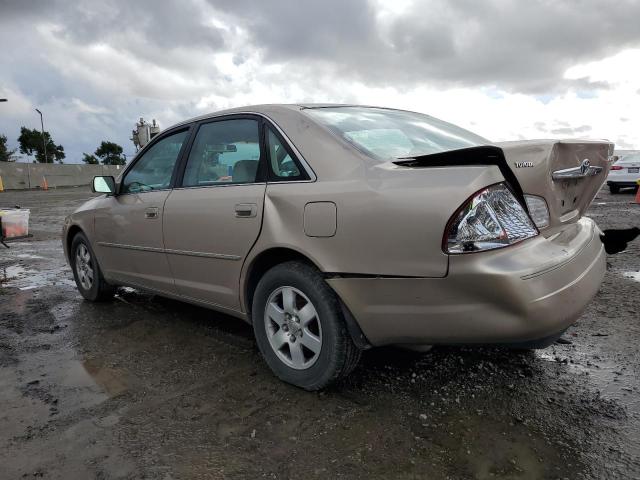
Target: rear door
{"x":129,"y":230}
{"x":213,"y":217}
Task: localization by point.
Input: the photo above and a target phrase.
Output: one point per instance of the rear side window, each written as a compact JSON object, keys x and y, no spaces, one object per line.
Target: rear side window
{"x":224,"y":152}
{"x":282,"y":164}
{"x":153,"y":171}
{"x":390,"y":134}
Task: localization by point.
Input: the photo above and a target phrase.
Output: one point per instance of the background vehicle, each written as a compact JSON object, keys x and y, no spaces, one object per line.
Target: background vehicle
{"x":624,"y":173}
{"x":335,"y":228}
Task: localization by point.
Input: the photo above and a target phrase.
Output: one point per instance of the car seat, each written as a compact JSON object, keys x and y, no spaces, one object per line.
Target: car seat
{"x":244,"y":171}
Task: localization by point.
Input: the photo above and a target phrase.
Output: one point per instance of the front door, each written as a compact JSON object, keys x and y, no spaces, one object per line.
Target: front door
{"x":130,"y":246}
{"x":213,"y":219}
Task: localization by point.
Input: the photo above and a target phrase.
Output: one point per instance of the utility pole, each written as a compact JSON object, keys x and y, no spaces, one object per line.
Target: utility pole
{"x":44,"y":142}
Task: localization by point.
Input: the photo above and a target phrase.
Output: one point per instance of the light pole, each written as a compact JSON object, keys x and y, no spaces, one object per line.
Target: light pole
{"x":44,"y":142}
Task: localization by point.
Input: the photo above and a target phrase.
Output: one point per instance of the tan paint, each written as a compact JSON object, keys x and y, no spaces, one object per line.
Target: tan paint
{"x":124,"y":221}
{"x":396,"y":212}
{"x":389,"y":223}
{"x":204,"y":220}
{"x":536,"y":289}
{"x":320,"y":219}
{"x":567,"y":199}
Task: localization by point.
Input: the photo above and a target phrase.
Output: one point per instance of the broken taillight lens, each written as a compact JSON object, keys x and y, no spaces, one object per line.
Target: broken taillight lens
{"x":492,"y":218}
{"x":538,"y":210}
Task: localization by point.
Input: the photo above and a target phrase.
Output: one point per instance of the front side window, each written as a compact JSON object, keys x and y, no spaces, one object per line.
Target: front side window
{"x":223,"y":152}
{"x":281,"y":163}
{"x":389,"y":134}
{"x":154,"y":169}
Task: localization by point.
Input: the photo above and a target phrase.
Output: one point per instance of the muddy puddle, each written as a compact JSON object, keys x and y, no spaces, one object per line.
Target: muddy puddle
{"x":633,"y":276}
{"x":29,"y":265}
{"x":25,"y":278}
{"x":611,"y":380}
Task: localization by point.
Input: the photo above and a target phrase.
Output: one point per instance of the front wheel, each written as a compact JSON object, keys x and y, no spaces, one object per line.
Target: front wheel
{"x":300,"y":329}
{"x":86,"y":272}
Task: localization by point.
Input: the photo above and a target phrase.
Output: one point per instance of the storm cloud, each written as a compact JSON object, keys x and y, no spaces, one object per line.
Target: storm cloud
{"x":94,"y":67}
{"x":511,"y":44}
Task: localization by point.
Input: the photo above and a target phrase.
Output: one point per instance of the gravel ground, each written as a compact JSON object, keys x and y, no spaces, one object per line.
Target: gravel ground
{"x":144,"y":387}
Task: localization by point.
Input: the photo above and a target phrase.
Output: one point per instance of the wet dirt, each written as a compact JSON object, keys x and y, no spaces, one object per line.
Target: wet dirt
{"x":144,"y":387}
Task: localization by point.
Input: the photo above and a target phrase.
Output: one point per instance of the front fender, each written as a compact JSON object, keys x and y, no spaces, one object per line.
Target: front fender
{"x":82,"y":219}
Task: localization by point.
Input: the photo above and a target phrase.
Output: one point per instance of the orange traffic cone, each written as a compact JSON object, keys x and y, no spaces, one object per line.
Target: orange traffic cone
{"x":637,"y":200}
{"x":45,"y":185}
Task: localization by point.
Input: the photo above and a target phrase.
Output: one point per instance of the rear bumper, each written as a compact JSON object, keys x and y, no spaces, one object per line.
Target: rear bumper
{"x":517,"y":294}
{"x":623,"y":183}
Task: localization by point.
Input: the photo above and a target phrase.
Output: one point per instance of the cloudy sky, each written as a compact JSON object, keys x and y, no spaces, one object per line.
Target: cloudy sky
{"x":506,"y":69}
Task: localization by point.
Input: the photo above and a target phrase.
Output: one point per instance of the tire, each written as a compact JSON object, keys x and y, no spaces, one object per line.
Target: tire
{"x":86,"y":271}
{"x":614,"y":189}
{"x":301,"y":360}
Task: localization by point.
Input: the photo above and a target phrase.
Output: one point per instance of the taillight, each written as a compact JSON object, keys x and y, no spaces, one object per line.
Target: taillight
{"x":492,"y":218}
{"x":538,"y":210}
{"x":616,"y":167}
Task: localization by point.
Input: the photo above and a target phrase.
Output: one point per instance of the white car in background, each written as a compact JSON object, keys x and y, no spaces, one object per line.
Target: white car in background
{"x":624,"y":173}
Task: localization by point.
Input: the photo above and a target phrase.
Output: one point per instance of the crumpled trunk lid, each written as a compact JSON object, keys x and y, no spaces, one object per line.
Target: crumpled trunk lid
{"x":566,"y":173}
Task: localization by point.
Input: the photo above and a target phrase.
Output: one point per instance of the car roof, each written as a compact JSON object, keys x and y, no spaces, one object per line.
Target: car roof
{"x":267,"y":108}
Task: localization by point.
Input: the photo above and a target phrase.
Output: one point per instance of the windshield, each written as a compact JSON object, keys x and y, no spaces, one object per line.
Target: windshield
{"x":631,"y":157}
{"x":383,"y":133}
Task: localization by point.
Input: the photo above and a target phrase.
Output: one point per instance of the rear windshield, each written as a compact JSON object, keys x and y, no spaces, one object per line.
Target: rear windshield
{"x":389,"y":134}
{"x":632,"y":157}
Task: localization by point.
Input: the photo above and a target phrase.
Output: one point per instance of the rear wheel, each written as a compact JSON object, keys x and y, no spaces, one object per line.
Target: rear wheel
{"x":86,"y":271}
{"x":614,"y":188}
{"x":299,"y":327}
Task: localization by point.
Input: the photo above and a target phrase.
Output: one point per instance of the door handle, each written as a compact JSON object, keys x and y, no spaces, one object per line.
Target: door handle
{"x":151,"y":212}
{"x":246,"y":210}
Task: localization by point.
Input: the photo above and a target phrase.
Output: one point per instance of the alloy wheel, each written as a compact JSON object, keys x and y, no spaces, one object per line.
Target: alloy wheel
{"x":84,"y":266}
{"x":293,"y":327}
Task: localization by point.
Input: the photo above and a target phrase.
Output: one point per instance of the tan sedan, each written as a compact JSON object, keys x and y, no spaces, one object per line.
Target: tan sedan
{"x":334,"y":228}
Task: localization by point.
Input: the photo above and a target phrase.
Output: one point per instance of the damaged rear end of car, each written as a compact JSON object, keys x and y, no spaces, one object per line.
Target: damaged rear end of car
{"x":561,"y":176}
{"x":522,"y":260}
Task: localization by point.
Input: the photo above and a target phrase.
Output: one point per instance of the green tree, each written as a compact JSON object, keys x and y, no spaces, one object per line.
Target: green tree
{"x":110,"y":153}
{"x":89,"y":159}
{"x":6,"y":155}
{"x":30,"y":141}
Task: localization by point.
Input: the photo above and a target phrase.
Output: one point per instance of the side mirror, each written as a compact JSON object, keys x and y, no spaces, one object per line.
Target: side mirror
{"x":103,"y":185}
